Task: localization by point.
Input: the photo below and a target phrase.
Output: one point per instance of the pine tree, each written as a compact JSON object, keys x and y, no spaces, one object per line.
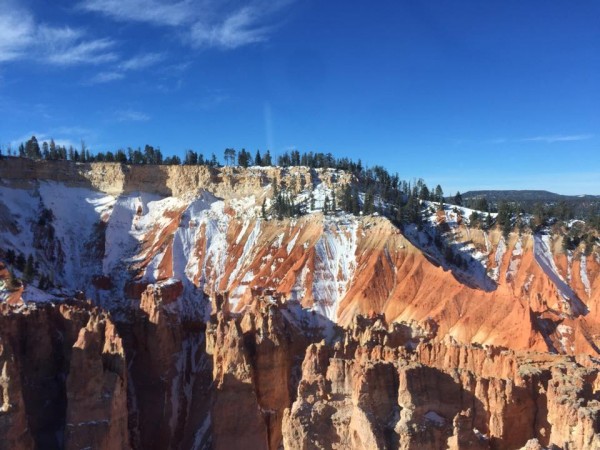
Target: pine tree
{"x":369,"y":205}
{"x":326,"y":205}
{"x":229,"y":156}
{"x":258,"y":159}
{"x":347,"y":199}
{"x":20,"y":262}
{"x":263,"y":209}
{"x":488,"y":220}
{"x":355,"y":203}
{"x":267,"y":161}
{"x":32,"y":149}
{"x":312,"y":201}
{"x":333,"y":202}
{"x":12,"y":281}
{"x":458,"y":199}
{"x":439,"y":193}
{"x":10,"y":256}
{"x":29,"y":270}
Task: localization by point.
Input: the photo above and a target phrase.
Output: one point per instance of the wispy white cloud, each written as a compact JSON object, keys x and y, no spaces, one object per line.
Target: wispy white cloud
{"x":157,"y":12}
{"x":61,"y":139}
{"x":559,"y":138}
{"x":21,"y":37}
{"x":142,"y":61}
{"x":138,"y":62}
{"x":243,"y":27}
{"x":16,"y":32}
{"x":105,"y":77}
{"x":129,"y":115}
{"x":204,"y":23}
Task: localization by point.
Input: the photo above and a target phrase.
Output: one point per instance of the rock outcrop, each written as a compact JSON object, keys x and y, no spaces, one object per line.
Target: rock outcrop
{"x":64,"y":381}
{"x":441,"y":395}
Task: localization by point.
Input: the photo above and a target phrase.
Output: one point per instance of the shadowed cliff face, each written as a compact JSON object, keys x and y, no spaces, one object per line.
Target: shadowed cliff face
{"x":265,"y":378}
{"x":64,"y":381}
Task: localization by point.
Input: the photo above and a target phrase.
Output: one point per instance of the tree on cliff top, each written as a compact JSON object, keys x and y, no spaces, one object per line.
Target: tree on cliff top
{"x":229,"y":156}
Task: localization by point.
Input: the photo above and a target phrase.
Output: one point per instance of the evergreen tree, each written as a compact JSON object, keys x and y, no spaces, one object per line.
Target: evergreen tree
{"x":53,"y":150}
{"x":29,"y":270}
{"x":244,"y":158}
{"x":369,"y":205}
{"x":439,"y":193}
{"x":333,"y":201}
{"x":12,"y":282}
{"x":263,"y":209}
{"x":458,"y":199}
{"x":20,"y":262}
{"x":10,"y":257}
{"x":347,"y":198}
{"x":474,"y":219}
{"x":258,"y":159}
{"x":312,"y":201}
{"x":191,"y":158}
{"x":229,"y":156}
{"x":32,"y":149}
{"x":326,"y":205}
{"x":506,"y":229}
{"x":45,"y":151}
{"x":121,"y":157}
{"x":488,"y":221}
{"x":267,"y":161}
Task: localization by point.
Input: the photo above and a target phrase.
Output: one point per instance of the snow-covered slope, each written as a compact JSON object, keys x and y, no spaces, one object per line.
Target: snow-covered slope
{"x":211,"y":237}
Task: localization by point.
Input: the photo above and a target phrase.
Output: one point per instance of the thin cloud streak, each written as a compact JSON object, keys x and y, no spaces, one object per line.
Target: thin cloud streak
{"x":138,"y":62}
{"x":549,"y":139}
{"x":559,"y":138}
{"x":131,"y":116}
{"x":105,"y":77}
{"x":204,"y":23}
{"x":151,"y":11}
{"x":142,"y":61}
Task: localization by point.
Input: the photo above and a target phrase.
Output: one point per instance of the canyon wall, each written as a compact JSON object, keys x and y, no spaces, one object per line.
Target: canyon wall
{"x":266,"y":378}
{"x":208,"y":325}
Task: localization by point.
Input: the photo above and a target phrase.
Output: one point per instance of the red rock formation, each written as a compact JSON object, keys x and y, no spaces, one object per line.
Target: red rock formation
{"x":97,"y":389}
{"x":63,"y":378}
{"x":441,"y":395}
{"x":255,"y":360}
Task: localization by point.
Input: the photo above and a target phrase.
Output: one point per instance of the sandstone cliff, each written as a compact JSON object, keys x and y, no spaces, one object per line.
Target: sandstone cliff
{"x":265,"y":378}
{"x":64,"y":381}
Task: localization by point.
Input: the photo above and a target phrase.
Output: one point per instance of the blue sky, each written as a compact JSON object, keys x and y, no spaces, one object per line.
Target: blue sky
{"x":469,"y":94}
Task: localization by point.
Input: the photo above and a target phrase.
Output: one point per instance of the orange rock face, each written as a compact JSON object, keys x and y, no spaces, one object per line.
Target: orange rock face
{"x":265,"y":379}
{"x":441,"y":395}
{"x":64,"y":381}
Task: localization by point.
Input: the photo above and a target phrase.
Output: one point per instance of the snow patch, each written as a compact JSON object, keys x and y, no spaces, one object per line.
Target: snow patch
{"x":543,"y":256}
